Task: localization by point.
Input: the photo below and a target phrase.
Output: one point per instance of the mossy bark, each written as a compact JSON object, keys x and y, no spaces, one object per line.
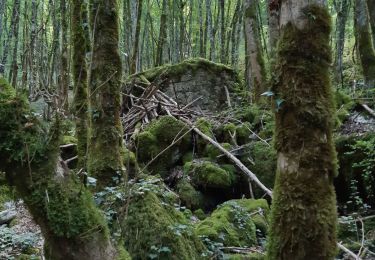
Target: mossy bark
{"x":364,"y":42}
{"x":255,"y":74}
{"x":79,"y":43}
{"x":73,"y":228}
{"x":105,"y":134}
{"x":303,"y":222}
{"x":371,"y":11}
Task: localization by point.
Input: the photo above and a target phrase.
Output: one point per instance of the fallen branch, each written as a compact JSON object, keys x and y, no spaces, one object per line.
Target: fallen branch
{"x":368,"y":109}
{"x":343,"y":248}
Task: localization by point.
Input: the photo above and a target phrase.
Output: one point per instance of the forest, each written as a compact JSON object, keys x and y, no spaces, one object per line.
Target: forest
{"x":187,"y":129}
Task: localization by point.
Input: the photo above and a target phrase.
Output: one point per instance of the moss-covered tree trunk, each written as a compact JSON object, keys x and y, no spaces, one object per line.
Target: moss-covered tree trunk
{"x":73,"y":228}
{"x":135,"y":50}
{"x":105,"y":135}
{"x":273,"y":23}
{"x":364,"y":41}
{"x":303,"y":222}
{"x":371,"y":10}
{"x":79,"y":48}
{"x":63,"y":102}
{"x":255,"y":74}
{"x":162,"y":35}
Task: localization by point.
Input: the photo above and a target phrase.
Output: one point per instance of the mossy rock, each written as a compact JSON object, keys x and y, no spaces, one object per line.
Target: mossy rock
{"x":212,"y":152}
{"x":153,"y":228}
{"x":153,"y":142}
{"x":6,"y":193}
{"x":344,"y":104}
{"x":209,"y":174}
{"x":192,"y":198}
{"x":232,"y":223}
{"x":130,"y":162}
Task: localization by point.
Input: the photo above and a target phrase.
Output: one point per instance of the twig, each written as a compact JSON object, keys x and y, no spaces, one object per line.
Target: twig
{"x":343,"y":248}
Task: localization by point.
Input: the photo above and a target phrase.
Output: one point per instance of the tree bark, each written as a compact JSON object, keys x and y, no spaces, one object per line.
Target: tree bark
{"x":134,"y":57}
{"x":63,"y":89}
{"x":79,"y":72}
{"x":105,"y":139}
{"x":255,"y":74}
{"x":273,"y":23}
{"x":162,"y":35}
{"x":342,"y":16}
{"x":303,"y":215}
{"x":371,"y":10}
{"x":364,"y":42}
{"x":14,"y":69}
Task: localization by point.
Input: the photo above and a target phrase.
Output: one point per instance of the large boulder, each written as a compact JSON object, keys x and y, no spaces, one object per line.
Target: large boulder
{"x":191,"y":80}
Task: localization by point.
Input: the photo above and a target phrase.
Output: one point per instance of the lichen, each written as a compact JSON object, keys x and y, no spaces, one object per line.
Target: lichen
{"x":232,"y":223}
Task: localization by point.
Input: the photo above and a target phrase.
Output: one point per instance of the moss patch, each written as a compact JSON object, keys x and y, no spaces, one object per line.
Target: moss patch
{"x":155,"y":229}
{"x":156,"y":138}
{"x":192,"y":198}
{"x":209,"y":174}
{"x":232,"y":223}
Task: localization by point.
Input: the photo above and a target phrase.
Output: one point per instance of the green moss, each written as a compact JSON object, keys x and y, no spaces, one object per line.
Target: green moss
{"x":263,"y":163}
{"x":176,"y":70}
{"x":156,"y":138}
{"x":5,"y":192}
{"x":154,"y":228}
{"x":251,"y":256}
{"x":209,"y":174}
{"x":192,"y":198}
{"x":67,"y":139}
{"x":212,"y":152}
{"x":199,"y":213}
{"x":344,"y":104}
{"x":303,"y":223}
{"x":130,"y":162}
{"x":232,"y":223}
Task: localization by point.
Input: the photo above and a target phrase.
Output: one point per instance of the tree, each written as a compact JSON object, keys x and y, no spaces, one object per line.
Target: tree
{"x":162,"y":35}
{"x":371,"y":10}
{"x":342,"y":8}
{"x":105,"y":138}
{"x":303,"y":221}
{"x":255,"y":74}
{"x":273,"y":23}
{"x":134,"y":57}
{"x":364,"y":42}
{"x":72,"y":226}
{"x":79,"y":71}
{"x":64,"y":74}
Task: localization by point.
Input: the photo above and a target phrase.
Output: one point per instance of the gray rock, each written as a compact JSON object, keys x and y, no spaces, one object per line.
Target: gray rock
{"x":7,"y":216}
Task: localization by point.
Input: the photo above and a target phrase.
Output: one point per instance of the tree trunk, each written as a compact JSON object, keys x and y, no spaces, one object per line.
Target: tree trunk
{"x":273,"y":23}
{"x":105,"y":140}
{"x":72,"y":226}
{"x":371,"y":10}
{"x":303,"y":216}
{"x":222,"y":31}
{"x":364,"y":41}
{"x":162,"y":35}
{"x":255,"y":74}
{"x":14,"y":69}
{"x":64,"y":76}
{"x":202,"y":51}
{"x":342,"y":16}
{"x":134,"y":57}
{"x":79,"y":71}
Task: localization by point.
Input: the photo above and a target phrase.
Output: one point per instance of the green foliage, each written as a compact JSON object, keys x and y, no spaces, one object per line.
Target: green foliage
{"x":343,"y":104}
{"x":232,"y":223}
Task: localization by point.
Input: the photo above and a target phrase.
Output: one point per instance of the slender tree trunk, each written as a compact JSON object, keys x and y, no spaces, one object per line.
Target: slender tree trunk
{"x":342,"y":16}
{"x":371,"y":9}
{"x":303,"y":219}
{"x":79,"y":71}
{"x":364,"y":41}
{"x":64,"y":75}
{"x":14,"y":69}
{"x":134,"y":58}
{"x":201,"y":30}
{"x":181,"y":35}
{"x":222,"y":31}
{"x":105,"y":139}
{"x":210,"y":29}
{"x":273,"y":23}
{"x":162,"y":35}
{"x":255,"y":73}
